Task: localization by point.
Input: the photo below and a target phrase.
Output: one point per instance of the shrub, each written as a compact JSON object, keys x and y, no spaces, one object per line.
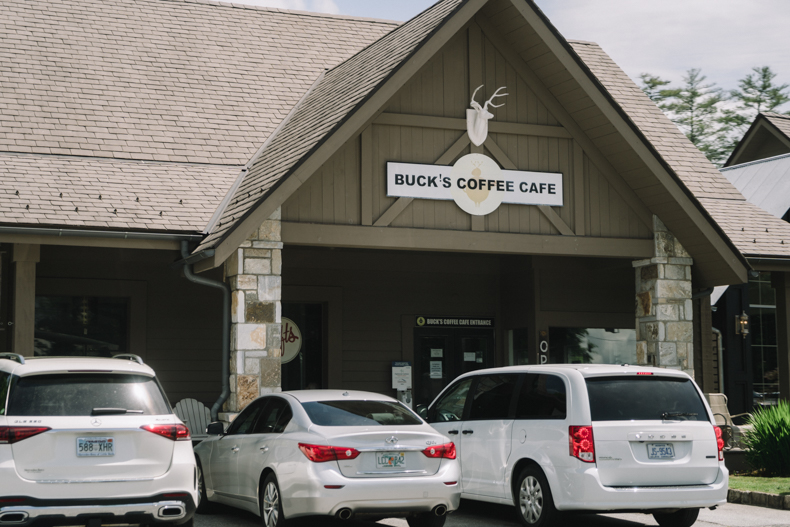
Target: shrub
{"x":768,"y":443}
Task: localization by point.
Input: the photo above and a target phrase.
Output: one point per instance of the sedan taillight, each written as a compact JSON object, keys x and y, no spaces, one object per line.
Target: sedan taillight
{"x":322,"y":453}
{"x":14,"y":434}
{"x":175,"y":432}
{"x":446,"y":451}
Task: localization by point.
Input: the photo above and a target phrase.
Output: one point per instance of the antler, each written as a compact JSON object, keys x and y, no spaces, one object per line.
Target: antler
{"x":496,"y":94}
{"x":475,"y":93}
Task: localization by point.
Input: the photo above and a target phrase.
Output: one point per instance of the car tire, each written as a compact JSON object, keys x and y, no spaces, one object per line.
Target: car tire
{"x":189,"y":523}
{"x":426,"y":519}
{"x":203,"y":506}
{"x":532,"y":498}
{"x":681,"y":518}
{"x":271,"y":503}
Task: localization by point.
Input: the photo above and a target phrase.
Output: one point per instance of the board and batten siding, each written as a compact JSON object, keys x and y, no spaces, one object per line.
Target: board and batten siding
{"x":442,"y":89}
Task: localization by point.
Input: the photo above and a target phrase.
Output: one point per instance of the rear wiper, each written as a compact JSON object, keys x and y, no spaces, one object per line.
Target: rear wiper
{"x":111,"y":411}
{"x":667,"y":415}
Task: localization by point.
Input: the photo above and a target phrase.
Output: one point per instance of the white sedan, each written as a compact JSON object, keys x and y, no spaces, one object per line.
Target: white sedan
{"x":330,"y":452}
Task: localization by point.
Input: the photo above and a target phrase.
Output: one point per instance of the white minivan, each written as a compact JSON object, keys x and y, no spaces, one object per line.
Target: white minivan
{"x":592,"y":438}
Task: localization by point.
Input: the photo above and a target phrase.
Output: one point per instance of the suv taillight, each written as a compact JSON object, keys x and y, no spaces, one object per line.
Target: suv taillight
{"x":719,"y":442}
{"x":446,"y":451}
{"x":14,"y":434}
{"x":322,"y":453}
{"x":581,"y":444}
{"x":176,"y":432}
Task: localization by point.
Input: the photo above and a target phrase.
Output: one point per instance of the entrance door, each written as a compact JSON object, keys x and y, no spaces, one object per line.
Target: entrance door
{"x":306,"y":369}
{"x":442,"y":354}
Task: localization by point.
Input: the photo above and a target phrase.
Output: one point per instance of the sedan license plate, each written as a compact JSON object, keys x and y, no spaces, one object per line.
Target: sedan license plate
{"x":95,"y":446}
{"x":390,"y":459}
{"x":660,"y":451}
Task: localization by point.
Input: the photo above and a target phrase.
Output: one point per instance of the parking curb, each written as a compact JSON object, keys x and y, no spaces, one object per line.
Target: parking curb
{"x":759,"y":499}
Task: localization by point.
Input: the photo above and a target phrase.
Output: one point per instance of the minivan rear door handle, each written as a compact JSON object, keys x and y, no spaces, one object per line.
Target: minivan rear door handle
{"x":465,"y":432}
{"x":453,"y":432}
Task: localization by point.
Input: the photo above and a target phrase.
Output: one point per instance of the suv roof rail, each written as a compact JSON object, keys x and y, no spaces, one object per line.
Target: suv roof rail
{"x":13,"y":356}
{"x":129,"y":356}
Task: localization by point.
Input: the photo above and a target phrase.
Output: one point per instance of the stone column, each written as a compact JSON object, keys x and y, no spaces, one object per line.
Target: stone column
{"x":25,"y":258}
{"x":664,"y":308}
{"x":253,"y":272}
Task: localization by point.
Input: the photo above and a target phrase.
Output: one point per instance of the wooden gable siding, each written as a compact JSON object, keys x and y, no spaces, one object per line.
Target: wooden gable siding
{"x":443,"y":89}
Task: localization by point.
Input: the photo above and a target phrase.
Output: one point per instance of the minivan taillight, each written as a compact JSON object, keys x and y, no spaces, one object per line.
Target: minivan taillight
{"x":719,"y":442}
{"x":322,"y":453}
{"x":581,"y":444}
{"x":176,"y":432}
{"x":446,"y":451}
{"x":14,"y":434}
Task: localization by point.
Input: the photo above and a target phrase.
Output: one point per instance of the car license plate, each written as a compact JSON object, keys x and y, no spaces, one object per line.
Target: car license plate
{"x":95,"y":446}
{"x":390,"y":459}
{"x":660,"y":451}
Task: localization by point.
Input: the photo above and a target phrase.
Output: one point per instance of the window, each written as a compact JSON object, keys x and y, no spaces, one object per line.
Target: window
{"x":5,"y":380}
{"x":643,"y":398}
{"x":492,"y":396}
{"x":592,"y":346}
{"x":275,"y":417}
{"x":451,"y":406}
{"x":245,"y":421}
{"x":541,"y":397}
{"x":86,"y":394}
{"x":762,"y":325}
{"x":359,"y":413}
{"x":81,"y":326}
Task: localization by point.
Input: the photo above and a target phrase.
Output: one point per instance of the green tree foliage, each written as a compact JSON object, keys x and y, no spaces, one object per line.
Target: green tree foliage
{"x":653,"y":86}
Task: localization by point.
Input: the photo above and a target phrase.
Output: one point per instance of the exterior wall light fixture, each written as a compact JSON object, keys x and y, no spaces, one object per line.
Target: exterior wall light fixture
{"x":742,"y":324}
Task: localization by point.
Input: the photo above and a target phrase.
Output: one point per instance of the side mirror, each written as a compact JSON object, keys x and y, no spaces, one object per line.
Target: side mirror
{"x":215,"y":429}
{"x":422,"y":411}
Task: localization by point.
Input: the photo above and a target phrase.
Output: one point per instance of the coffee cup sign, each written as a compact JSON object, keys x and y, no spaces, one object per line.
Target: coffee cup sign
{"x":291,"y":340}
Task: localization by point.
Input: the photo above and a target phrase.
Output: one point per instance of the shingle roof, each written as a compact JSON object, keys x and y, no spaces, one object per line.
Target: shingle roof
{"x":110,"y":193}
{"x":741,"y":221}
{"x":333,"y":99}
{"x":781,"y":122}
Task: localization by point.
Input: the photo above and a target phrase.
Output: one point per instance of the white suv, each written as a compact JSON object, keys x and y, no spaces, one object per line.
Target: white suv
{"x":91,"y":441}
{"x":589,"y":438}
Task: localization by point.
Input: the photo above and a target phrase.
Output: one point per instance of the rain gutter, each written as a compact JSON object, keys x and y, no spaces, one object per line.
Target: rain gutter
{"x":80,"y":233}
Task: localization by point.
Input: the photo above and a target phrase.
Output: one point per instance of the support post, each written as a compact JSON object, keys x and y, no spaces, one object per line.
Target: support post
{"x":781,"y":283}
{"x":25,"y":258}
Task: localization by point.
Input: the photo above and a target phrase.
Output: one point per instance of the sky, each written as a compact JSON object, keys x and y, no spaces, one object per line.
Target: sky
{"x":725,"y":38}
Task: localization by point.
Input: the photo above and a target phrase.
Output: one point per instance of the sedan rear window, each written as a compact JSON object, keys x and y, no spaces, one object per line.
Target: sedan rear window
{"x":359,"y":413}
{"x":644,"y":398}
{"x":86,"y":394}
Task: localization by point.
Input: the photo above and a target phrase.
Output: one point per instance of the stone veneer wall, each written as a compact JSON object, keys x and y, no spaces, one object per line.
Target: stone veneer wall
{"x":664,"y":310}
{"x":254,"y":274}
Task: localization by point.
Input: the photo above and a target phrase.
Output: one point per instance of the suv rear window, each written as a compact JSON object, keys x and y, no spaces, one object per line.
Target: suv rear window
{"x":644,"y":398}
{"x":86,"y":394}
{"x":359,"y":413}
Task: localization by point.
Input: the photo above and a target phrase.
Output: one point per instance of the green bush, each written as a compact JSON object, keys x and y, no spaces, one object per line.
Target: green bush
{"x":768,"y":443}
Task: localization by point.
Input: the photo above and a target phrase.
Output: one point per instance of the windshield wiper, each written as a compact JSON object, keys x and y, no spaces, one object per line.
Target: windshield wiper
{"x":112,"y":411}
{"x":667,"y":415}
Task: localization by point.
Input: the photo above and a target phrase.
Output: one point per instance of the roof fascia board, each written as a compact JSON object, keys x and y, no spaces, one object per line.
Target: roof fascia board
{"x":746,"y":139}
{"x":360,"y":118}
{"x":562,"y":50}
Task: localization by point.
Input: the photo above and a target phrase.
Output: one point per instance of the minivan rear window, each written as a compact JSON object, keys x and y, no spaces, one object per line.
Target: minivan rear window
{"x":644,"y":398}
{"x":359,"y":413}
{"x":84,"y":394}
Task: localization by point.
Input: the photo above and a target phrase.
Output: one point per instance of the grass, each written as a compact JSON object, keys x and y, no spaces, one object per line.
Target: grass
{"x":770,"y":485}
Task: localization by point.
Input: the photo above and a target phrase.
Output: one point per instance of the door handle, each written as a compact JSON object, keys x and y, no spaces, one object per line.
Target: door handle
{"x":453,"y":432}
{"x":264,"y":449}
{"x":465,"y":432}
{"x":234,"y":449}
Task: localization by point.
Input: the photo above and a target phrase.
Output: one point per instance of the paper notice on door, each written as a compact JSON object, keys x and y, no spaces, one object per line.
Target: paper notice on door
{"x":437,"y":353}
{"x":436,"y":369}
{"x":470,"y":356}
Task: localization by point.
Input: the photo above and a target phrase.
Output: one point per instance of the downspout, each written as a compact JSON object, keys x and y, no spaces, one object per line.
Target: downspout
{"x":721,"y":359}
{"x":225,"y":328}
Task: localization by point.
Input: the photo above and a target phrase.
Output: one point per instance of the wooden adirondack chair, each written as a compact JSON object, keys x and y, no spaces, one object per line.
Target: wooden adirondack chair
{"x":195,"y":415}
{"x":733,"y":433}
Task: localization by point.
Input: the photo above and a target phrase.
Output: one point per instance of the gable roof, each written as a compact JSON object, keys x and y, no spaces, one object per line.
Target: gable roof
{"x":119,"y":92}
{"x":768,"y":136}
{"x":765,"y":183}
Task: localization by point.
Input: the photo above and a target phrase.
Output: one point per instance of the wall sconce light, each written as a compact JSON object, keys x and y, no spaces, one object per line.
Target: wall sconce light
{"x":742,"y":324}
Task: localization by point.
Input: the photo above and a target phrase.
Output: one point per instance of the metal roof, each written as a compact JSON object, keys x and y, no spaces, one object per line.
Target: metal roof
{"x":765,"y":183}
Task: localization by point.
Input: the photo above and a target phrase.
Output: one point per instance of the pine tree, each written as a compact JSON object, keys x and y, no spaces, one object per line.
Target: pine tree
{"x":653,"y":86}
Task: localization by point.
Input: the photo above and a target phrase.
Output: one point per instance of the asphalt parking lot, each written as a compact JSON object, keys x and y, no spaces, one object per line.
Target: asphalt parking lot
{"x":484,"y":514}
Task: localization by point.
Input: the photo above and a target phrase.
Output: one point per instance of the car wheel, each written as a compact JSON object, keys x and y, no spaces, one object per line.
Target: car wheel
{"x":271,"y":503}
{"x":533,"y":498}
{"x":426,"y":519}
{"x":681,"y":518}
{"x":203,"y":505}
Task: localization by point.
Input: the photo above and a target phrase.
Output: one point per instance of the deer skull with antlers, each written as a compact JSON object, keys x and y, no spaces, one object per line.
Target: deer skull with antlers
{"x":477,"y":118}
